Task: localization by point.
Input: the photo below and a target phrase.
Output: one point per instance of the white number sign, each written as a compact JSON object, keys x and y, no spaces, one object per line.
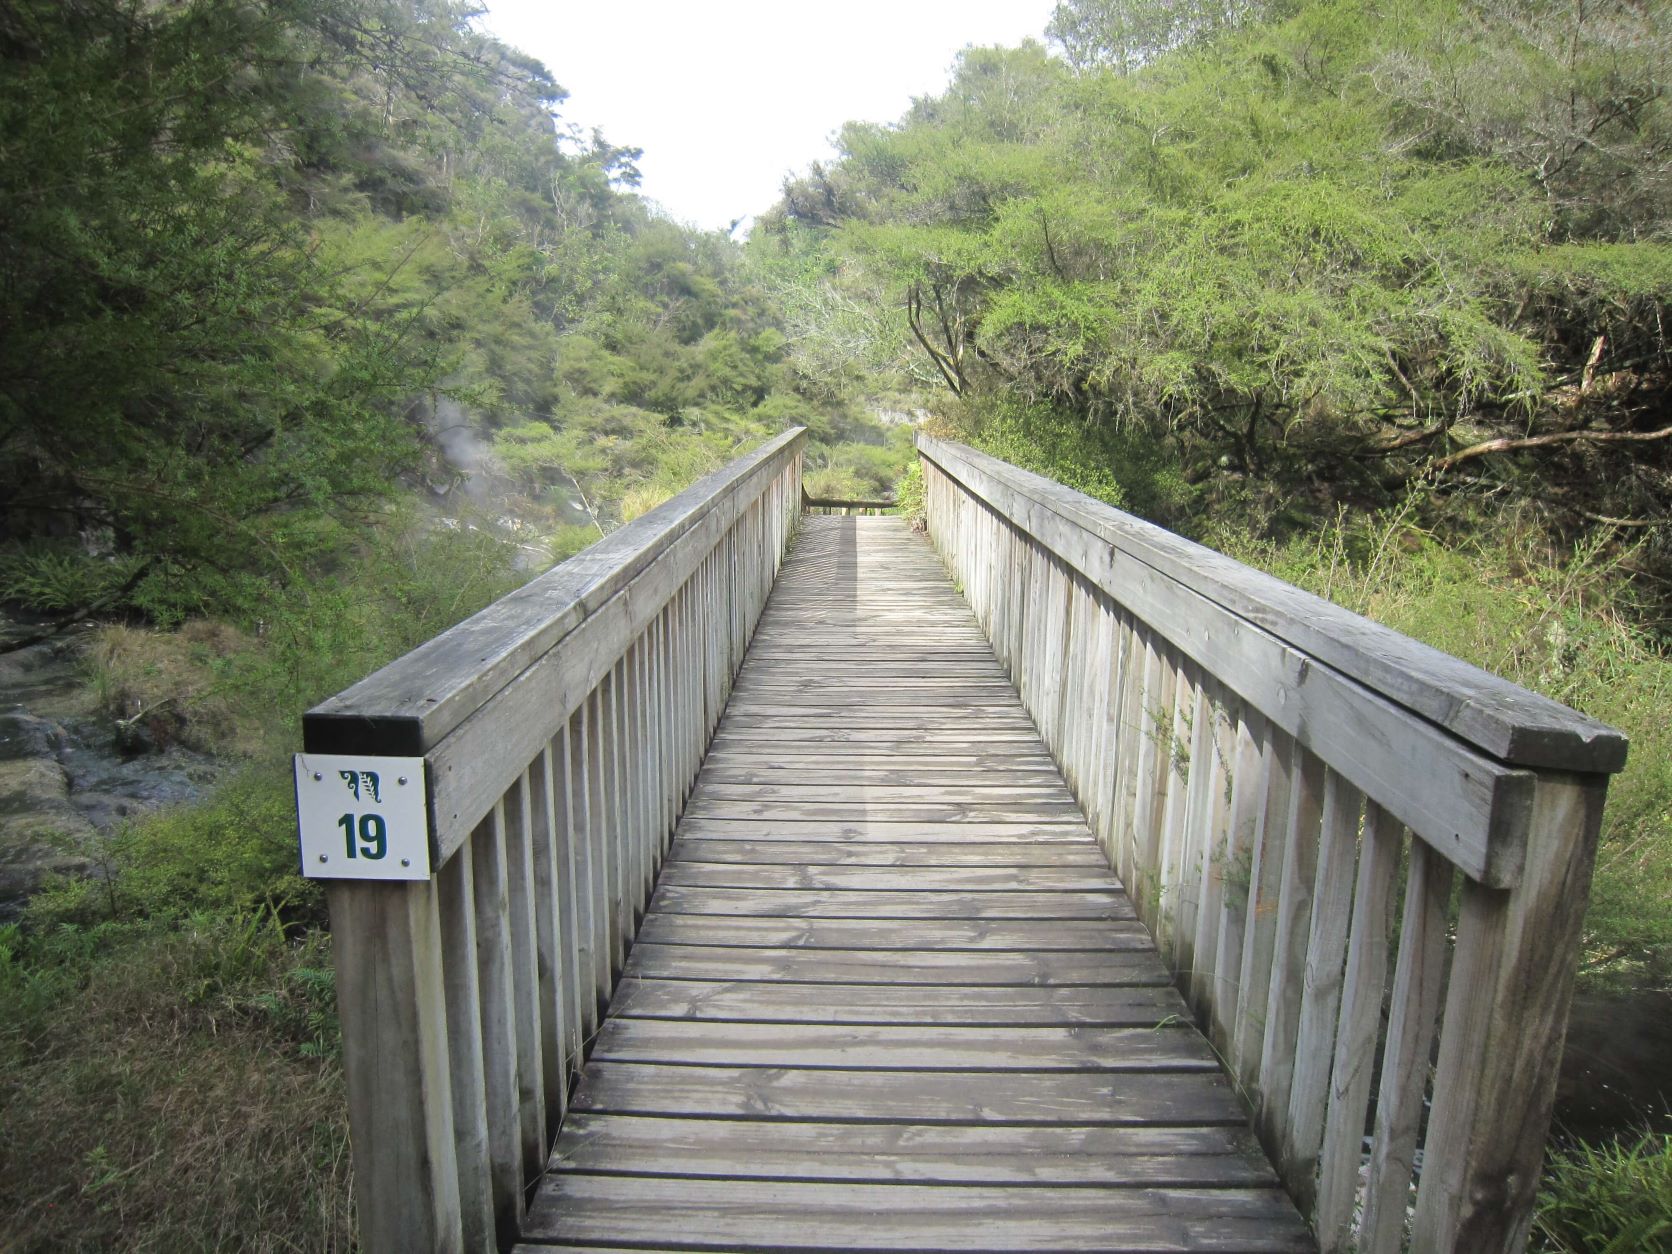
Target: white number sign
{"x":362,"y":818}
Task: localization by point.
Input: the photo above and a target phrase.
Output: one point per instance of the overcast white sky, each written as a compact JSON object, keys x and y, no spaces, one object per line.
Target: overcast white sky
{"x":727,"y":98}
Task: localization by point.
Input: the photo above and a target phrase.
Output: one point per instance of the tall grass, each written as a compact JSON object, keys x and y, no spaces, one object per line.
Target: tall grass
{"x":1614,"y":1198}
{"x":1562,"y":623}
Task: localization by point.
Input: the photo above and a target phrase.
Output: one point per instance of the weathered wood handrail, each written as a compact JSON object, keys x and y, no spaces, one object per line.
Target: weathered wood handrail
{"x":832,"y":505}
{"x":561,"y":729}
{"x":1251,"y":758}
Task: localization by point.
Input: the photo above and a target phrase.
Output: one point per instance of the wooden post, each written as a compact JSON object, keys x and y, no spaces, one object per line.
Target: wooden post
{"x":387,"y":942}
{"x":1506,"y":1016}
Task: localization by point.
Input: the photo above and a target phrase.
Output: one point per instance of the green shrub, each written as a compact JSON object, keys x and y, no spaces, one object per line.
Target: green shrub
{"x":908,"y":495}
{"x":1113,"y":464}
{"x":59,"y":579}
{"x":1612,"y":1198}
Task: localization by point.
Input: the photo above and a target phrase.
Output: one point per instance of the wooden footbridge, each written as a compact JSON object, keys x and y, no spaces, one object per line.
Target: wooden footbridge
{"x":1046,"y":882}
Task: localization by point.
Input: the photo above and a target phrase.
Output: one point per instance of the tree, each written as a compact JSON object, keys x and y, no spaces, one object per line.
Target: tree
{"x":186,"y":383}
{"x":1124,"y":35}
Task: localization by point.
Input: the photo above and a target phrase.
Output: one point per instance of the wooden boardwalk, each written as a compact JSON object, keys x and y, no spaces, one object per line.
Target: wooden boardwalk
{"x":888,"y":994}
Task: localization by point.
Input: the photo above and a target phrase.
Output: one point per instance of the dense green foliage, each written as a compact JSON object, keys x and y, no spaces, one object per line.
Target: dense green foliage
{"x":1339,"y":250}
{"x":1607,"y":1199}
{"x":264,"y":263}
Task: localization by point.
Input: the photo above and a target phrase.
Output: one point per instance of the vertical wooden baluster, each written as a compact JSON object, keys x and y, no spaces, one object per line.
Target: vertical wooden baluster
{"x":633,"y":851}
{"x":614,"y":825}
{"x":1017,"y":589}
{"x":1288,"y":964}
{"x":390,"y":1000}
{"x":456,"y":896}
{"x":1117,"y":736}
{"x":1025,"y":619}
{"x":1099,"y":746}
{"x":1260,"y":930}
{"x":1190,"y":865}
{"x":690,"y":709}
{"x":1138,"y":755}
{"x":1021,"y":554}
{"x":1035,"y":629}
{"x":692,"y":724}
{"x":1094,"y":709}
{"x":728,"y":615}
{"x":999,"y":633}
{"x":667,"y":773}
{"x":644,"y":774}
{"x":710,"y":653}
{"x":1332,"y":908}
{"x":573,"y":935}
{"x":1247,"y":789}
{"x":1054,"y":656}
{"x":1070,"y":683}
{"x":621,"y":790}
{"x":550,"y":918}
{"x":525,"y":976}
{"x":1174,"y":784}
{"x":607,"y":875}
{"x":669,"y":667}
{"x":649,"y":776}
{"x":734,"y":586}
{"x":1155,"y":775}
{"x":1123,"y":733}
{"x":678,"y":705}
{"x":591,"y":872}
{"x":1418,"y":979}
{"x":1214,"y":858}
{"x":1356,"y":1030}
{"x":499,"y":1024}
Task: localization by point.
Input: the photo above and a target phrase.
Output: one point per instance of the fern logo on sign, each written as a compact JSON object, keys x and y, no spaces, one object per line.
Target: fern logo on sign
{"x":356,"y":778}
{"x":362,"y":818}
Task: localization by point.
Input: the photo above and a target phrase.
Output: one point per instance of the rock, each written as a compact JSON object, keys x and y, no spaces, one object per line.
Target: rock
{"x":48,"y":678}
{"x":41,"y":832}
{"x":66,"y":778}
{"x":24,"y":735}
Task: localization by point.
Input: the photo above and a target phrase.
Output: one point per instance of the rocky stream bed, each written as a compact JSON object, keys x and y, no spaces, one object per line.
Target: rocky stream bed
{"x":69,"y":776}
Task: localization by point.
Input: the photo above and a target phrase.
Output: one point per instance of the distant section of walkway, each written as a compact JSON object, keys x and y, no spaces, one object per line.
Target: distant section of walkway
{"x":888,"y":994}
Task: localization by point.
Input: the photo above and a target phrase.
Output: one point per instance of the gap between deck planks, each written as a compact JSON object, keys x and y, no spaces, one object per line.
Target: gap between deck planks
{"x":888,"y":994}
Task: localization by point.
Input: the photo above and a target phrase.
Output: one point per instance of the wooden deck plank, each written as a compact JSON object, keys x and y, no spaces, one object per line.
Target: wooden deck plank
{"x":897,"y":966}
{"x":906,"y":1152}
{"x":992,"y":1005}
{"x":1091,"y":1099}
{"x":887,"y":832}
{"x":733,"y":1215}
{"x":903,"y":853}
{"x":893,"y":904}
{"x":918,"y":935}
{"x":815,"y":875}
{"x":888,"y":993}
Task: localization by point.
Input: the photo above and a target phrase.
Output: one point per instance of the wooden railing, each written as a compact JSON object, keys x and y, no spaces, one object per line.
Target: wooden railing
{"x":843,"y":505}
{"x":1252,"y":759}
{"x":560,"y":731}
